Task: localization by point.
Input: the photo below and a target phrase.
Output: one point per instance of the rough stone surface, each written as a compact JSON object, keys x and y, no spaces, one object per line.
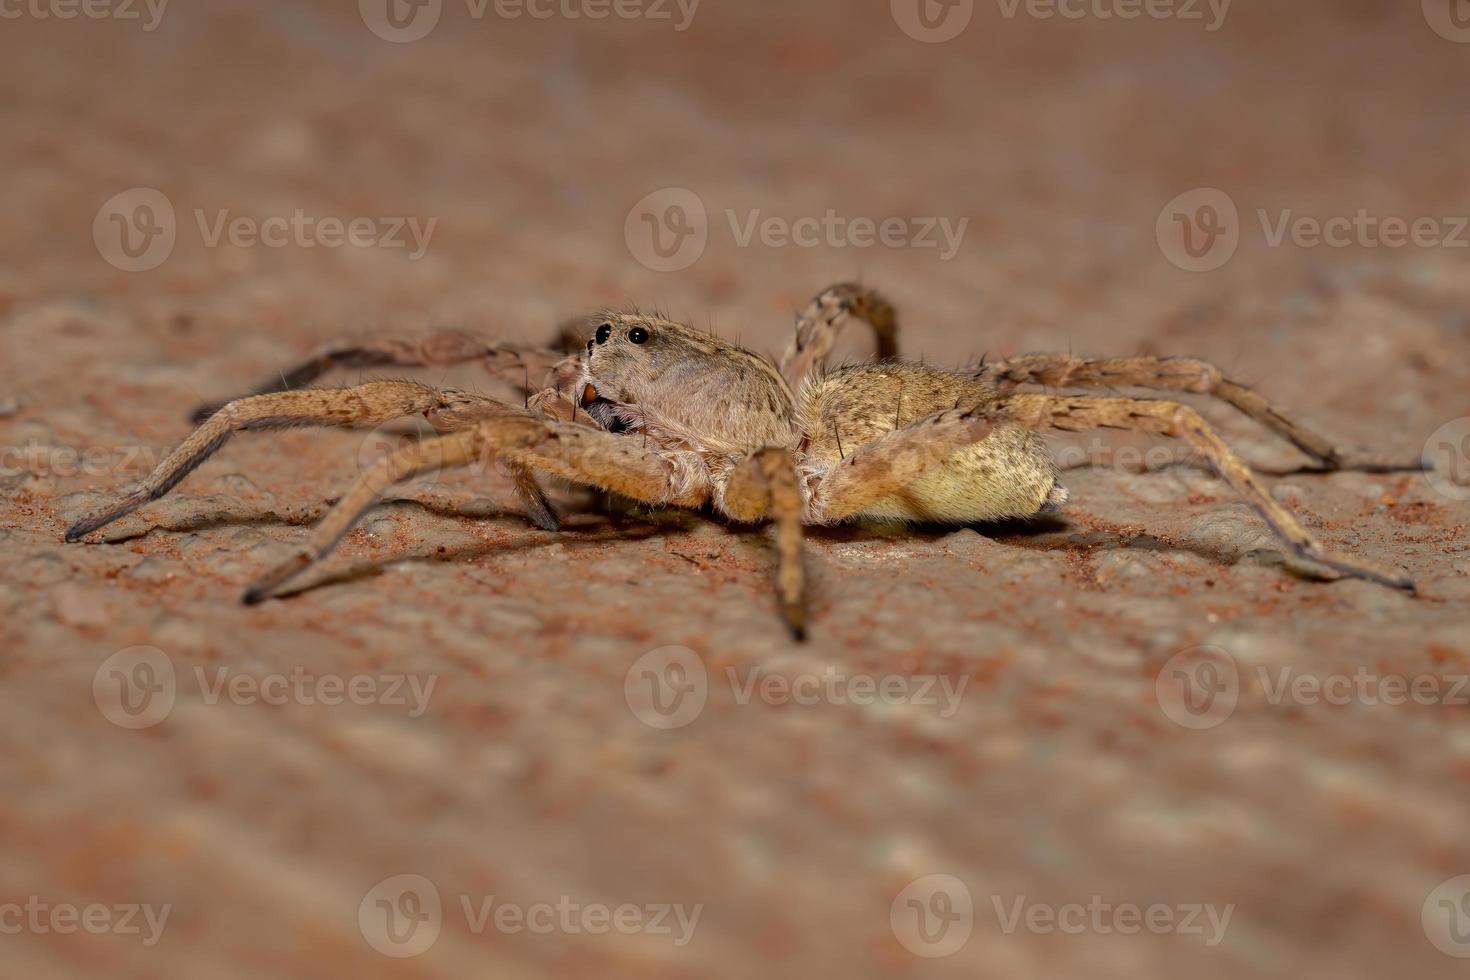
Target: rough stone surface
{"x":1061,"y":777}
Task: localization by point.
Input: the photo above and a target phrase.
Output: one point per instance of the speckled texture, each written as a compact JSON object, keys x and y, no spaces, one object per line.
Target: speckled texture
{"x":1059,"y":777}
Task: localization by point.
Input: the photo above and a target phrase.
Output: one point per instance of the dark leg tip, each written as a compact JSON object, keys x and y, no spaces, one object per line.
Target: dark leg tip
{"x":254,"y":597}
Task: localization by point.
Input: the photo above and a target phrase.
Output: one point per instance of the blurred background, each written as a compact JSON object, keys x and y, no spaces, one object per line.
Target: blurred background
{"x":199,"y":194}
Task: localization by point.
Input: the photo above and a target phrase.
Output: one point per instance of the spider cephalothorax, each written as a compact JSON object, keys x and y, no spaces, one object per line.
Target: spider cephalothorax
{"x":668,"y":415}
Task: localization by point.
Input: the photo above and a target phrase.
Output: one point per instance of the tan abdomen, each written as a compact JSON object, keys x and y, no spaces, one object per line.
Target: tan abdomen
{"x":1009,"y":473}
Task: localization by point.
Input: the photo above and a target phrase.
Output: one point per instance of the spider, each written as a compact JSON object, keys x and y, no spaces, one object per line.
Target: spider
{"x":664,"y":414}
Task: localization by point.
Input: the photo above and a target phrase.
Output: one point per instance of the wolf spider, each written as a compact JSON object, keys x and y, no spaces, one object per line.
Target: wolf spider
{"x":666,"y":415}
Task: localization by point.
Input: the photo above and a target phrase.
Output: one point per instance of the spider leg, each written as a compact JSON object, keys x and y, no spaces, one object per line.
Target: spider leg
{"x":1175,"y":419}
{"x":370,"y":403}
{"x":443,"y":348}
{"x":523,"y":441}
{"x":764,"y":484}
{"x":819,"y":324}
{"x":886,"y":466}
{"x":1056,"y":370}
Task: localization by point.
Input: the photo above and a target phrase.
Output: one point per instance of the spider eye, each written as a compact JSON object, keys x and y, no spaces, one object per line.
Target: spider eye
{"x":638,"y":335}
{"x":604,"y":332}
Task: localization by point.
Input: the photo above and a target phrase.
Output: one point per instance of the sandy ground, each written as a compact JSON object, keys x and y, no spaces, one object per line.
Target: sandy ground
{"x":1130,"y":742}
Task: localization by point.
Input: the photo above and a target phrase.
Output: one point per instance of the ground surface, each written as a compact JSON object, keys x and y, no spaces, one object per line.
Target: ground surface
{"x":1058,"y":778}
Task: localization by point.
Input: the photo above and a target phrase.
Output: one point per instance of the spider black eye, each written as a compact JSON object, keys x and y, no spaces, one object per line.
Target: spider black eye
{"x":604,"y":332}
{"x":638,"y":335}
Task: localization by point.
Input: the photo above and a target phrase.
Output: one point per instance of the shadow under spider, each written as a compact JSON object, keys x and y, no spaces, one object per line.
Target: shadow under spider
{"x":578,"y":528}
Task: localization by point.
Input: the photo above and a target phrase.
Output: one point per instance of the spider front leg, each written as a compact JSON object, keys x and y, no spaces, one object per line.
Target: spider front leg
{"x":1175,"y":419}
{"x":517,"y":364}
{"x":1189,"y":375}
{"x":764,"y":484}
{"x":523,"y":441}
{"x":819,"y":324}
{"x":371,"y":403}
